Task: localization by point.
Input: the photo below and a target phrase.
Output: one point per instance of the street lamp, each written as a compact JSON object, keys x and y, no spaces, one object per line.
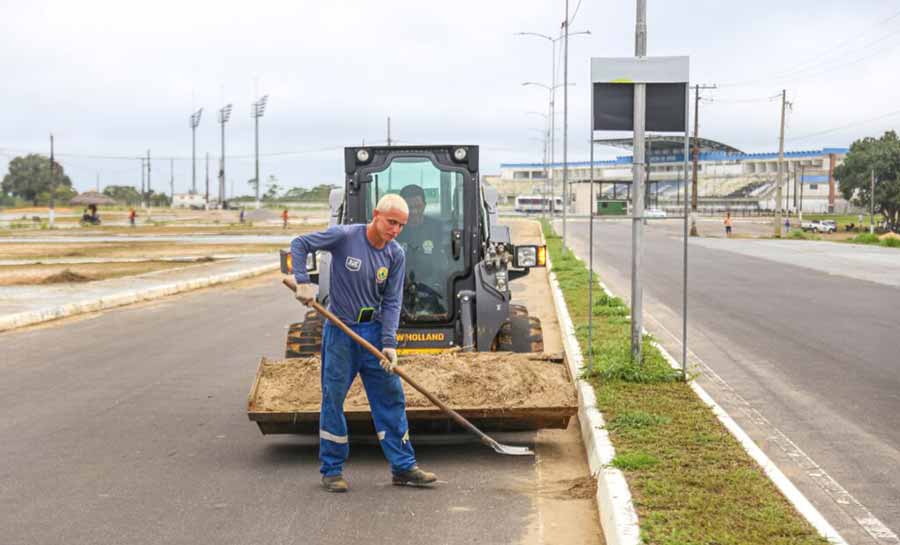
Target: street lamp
{"x":552,"y":88}
{"x":259,"y":108}
{"x":566,"y":105}
{"x":546,"y":159}
{"x":224,"y":116}
{"x":195,"y":120}
{"x":551,"y":91}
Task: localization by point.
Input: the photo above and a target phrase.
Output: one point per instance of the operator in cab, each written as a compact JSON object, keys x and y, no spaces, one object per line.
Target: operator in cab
{"x":427,"y":248}
{"x":367,"y":274}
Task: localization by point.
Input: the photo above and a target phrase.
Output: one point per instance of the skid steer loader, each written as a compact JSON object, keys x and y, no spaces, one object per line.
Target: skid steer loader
{"x":459,"y":264}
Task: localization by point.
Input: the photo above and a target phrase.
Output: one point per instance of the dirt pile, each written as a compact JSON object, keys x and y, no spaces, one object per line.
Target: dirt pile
{"x":64,"y":277}
{"x":498,"y":380}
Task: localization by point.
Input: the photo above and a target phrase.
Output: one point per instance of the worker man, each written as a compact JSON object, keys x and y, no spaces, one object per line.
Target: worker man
{"x":367,"y":270}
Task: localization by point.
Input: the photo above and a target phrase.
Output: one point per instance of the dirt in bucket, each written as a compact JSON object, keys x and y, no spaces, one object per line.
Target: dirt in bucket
{"x":497,"y":380}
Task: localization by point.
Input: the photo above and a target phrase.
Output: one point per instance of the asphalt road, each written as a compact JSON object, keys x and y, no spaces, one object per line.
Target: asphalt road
{"x":804,"y":358}
{"x":130,"y":427}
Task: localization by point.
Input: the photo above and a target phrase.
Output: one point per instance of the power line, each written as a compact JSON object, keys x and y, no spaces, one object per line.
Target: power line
{"x":14,"y":151}
{"x":821,"y":60}
{"x":572,"y":19}
{"x":847,"y":126}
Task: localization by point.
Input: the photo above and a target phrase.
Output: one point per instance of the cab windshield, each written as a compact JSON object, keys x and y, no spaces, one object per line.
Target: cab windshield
{"x":435,"y":200}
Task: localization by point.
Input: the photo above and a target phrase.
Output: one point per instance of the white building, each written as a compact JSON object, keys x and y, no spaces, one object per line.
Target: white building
{"x":726,"y":178}
{"x":188,"y":200}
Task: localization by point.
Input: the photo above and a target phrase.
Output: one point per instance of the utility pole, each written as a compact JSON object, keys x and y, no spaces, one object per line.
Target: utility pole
{"x":800,"y":203}
{"x":565,"y":126}
{"x":171,"y":183}
{"x":149,"y":188}
{"x":207,"y":180}
{"x":872,"y":204}
{"x":778,"y":203}
{"x":637,"y":195}
{"x":195,"y":120}
{"x":389,"y":131}
{"x":696,"y":156}
{"x":52,"y":212}
{"x":143,"y":181}
{"x":98,"y":181}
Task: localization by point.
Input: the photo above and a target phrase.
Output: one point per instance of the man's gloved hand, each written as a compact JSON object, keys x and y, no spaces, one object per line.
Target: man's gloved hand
{"x":305,"y":292}
{"x":391,"y":361}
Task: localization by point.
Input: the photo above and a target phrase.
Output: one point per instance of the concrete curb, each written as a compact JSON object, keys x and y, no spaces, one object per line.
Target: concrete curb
{"x":22,"y":319}
{"x":617,"y":515}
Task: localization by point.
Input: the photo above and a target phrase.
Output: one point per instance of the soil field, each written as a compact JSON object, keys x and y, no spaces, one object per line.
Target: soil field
{"x":498,"y":380}
{"x":149,"y":250}
{"x":294,"y":228}
{"x":29,"y":275}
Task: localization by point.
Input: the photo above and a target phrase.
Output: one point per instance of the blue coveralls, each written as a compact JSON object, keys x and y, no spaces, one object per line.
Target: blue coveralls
{"x":361,"y":276}
{"x":342,"y":359}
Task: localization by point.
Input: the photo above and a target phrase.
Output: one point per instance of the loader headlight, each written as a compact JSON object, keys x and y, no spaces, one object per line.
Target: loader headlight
{"x":460,"y":154}
{"x":286,"y":261}
{"x":362,"y":155}
{"x":526,"y":256}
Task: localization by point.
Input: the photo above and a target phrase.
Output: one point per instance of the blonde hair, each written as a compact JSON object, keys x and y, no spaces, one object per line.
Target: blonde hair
{"x":392,"y":201}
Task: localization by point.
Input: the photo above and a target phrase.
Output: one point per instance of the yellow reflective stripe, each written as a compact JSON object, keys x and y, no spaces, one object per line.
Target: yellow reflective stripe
{"x":332,"y":437}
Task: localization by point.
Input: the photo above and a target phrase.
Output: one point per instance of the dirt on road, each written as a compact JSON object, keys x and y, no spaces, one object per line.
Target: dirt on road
{"x":132,"y":249}
{"x":28,"y":275}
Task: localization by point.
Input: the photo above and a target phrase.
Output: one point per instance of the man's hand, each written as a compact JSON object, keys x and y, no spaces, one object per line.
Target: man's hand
{"x":305,"y":292}
{"x":391,"y":361}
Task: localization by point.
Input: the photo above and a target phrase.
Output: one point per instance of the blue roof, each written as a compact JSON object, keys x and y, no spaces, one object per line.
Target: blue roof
{"x":678,"y":158}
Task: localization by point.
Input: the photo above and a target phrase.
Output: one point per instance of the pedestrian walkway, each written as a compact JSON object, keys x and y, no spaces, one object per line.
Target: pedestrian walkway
{"x":27,"y":305}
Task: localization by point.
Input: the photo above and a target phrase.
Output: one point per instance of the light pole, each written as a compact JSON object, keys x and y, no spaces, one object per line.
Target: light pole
{"x":259,"y":108}
{"x":195,"y":120}
{"x":551,"y":91}
{"x":546,"y":160}
{"x":224,"y":116}
{"x":552,"y":88}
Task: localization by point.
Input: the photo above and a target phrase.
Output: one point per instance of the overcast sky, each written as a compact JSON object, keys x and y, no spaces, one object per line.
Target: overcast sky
{"x":113,"y":79}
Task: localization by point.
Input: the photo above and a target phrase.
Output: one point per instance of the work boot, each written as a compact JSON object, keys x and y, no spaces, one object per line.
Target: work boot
{"x":414,"y":477}
{"x":335,"y":484}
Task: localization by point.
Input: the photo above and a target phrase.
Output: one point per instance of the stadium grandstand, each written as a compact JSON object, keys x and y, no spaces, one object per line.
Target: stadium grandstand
{"x":727,"y":178}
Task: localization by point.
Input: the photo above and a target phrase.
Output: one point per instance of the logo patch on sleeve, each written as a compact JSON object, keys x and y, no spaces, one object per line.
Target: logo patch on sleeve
{"x":353,"y":264}
{"x":381,"y":275}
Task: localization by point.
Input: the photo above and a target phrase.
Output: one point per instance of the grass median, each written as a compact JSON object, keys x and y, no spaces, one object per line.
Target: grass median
{"x":691,"y":481}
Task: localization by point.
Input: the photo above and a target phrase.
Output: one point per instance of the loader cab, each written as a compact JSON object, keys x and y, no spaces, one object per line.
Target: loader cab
{"x":441,"y":237}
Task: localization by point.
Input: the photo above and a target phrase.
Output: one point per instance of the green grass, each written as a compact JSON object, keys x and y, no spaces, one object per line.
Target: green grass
{"x":690,"y":480}
{"x":871,"y":238}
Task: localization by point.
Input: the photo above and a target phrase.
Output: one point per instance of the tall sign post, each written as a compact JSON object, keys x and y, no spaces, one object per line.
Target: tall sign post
{"x":640,"y":94}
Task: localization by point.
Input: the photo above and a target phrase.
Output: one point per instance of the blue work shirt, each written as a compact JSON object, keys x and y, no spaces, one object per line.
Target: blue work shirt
{"x":361,"y":275}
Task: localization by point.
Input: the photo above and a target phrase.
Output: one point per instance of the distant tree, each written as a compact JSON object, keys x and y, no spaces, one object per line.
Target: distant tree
{"x":30,"y":178}
{"x":123,"y":193}
{"x":272,"y":189}
{"x":882,"y":155}
{"x":294,"y":194}
{"x":159,"y":199}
